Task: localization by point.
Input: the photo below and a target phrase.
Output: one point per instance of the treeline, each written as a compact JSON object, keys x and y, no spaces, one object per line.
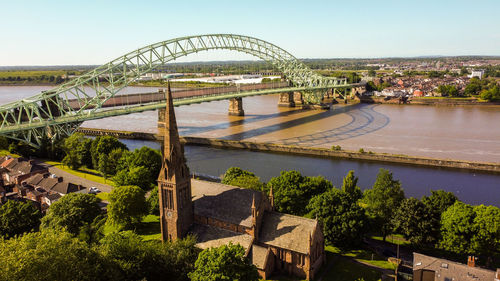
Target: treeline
{"x":437,"y":222}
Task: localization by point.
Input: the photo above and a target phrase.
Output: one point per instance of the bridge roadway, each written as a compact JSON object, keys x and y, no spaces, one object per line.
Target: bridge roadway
{"x":144,"y":98}
{"x":182,"y":99}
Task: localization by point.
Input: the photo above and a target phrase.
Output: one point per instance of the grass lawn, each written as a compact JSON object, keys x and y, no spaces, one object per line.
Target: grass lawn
{"x":103,"y":196}
{"x":148,"y":229}
{"x":364,"y":255}
{"x":343,"y":269}
{"x":82,"y":172}
{"x":394,"y":239}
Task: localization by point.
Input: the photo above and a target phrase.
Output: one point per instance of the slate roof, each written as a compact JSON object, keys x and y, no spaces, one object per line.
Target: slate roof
{"x":53,"y":196}
{"x":224,"y":202}
{"x":209,"y":236}
{"x":55,"y":184}
{"x":287,"y":231}
{"x":449,"y":270}
{"x":259,"y":255}
{"x":21,"y":166}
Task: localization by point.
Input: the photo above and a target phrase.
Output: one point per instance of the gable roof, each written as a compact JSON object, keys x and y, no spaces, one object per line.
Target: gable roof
{"x":209,"y":236}
{"x":224,"y":202}
{"x":287,"y":231}
{"x":449,"y":270}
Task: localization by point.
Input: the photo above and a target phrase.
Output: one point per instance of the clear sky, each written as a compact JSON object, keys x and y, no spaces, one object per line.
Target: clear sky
{"x":94,"y":32}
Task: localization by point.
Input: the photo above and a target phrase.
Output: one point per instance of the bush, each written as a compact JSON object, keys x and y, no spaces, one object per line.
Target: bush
{"x":336,"y":148}
{"x":361,"y":150}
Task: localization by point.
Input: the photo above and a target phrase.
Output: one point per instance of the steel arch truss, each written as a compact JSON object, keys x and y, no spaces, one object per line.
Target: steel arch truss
{"x":30,"y":119}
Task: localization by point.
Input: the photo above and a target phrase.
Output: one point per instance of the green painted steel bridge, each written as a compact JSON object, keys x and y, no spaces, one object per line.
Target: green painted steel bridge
{"x":59,"y":111}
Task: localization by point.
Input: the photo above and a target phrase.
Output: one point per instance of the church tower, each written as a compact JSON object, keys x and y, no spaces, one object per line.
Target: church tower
{"x":174,"y":183}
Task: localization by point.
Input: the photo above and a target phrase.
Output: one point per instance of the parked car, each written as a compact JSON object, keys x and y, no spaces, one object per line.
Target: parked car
{"x":94,"y":190}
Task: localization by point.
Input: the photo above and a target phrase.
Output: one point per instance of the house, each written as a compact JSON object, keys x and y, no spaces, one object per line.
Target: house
{"x":218,"y":214}
{"x":427,"y":268}
{"x":53,"y":183}
{"x":18,"y":169}
{"x":51,"y":198}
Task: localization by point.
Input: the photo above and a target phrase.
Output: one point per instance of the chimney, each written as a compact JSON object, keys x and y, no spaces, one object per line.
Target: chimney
{"x":471,"y":261}
{"x":59,"y":179}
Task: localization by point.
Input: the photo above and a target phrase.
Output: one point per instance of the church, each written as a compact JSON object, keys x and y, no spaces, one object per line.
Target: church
{"x":218,"y":214}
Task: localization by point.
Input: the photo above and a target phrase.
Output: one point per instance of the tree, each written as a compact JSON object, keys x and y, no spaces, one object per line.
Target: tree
{"x":486,"y":239}
{"x":148,"y":158}
{"x":127,"y":205}
{"x":351,"y":188}
{"x":457,"y":228}
{"x":50,"y":255}
{"x":136,"y":175}
{"x":463,"y":71}
{"x":227,"y":262}
{"x":17,"y":218}
{"x":492,"y":94}
{"x":372,"y":73}
{"x":435,"y":205}
{"x":292,"y":191}
{"x":72,"y":212}
{"x":413,"y":220}
{"x":149,"y":260}
{"x":383,"y":200}
{"x":439,"y":201}
{"x":103,"y":146}
{"x":238,"y":177}
{"x":153,"y":202}
{"x":76,"y":148}
{"x":344,"y":222}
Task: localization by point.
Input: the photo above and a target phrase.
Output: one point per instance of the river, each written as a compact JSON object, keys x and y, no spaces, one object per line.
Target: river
{"x":466,"y":133}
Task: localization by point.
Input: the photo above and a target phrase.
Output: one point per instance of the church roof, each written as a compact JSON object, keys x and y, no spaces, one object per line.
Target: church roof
{"x":209,"y":236}
{"x":258,"y":256}
{"x":287,"y":231}
{"x":224,"y":202}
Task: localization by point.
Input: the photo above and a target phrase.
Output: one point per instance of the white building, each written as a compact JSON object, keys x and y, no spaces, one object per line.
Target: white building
{"x":477,"y":73}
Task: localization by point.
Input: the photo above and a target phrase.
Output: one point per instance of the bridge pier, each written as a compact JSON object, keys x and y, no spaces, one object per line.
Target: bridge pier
{"x":298,"y":99}
{"x":236,"y":107}
{"x":286,"y":100}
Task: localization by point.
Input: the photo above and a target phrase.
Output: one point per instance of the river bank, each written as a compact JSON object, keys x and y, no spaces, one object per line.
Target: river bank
{"x":309,"y":151}
{"x":436,"y":101}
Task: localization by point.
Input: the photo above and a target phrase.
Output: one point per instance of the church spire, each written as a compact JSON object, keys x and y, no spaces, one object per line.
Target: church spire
{"x":174,"y":183}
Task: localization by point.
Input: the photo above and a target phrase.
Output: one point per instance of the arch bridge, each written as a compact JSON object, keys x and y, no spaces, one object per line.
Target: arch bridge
{"x":58,"y":112}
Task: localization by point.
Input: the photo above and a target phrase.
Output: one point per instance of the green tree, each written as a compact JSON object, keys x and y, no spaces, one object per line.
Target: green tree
{"x":17,"y":218}
{"x":383,"y":200}
{"x":351,"y":188}
{"x":413,"y":220}
{"x":72,"y":212}
{"x":492,"y":94}
{"x":103,"y":146}
{"x":238,"y":177}
{"x":227,"y":262}
{"x":136,"y":175}
{"x":372,"y":73}
{"x":486,"y":239}
{"x":457,"y":228}
{"x":148,"y":158}
{"x":292,"y":191}
{"x":154,"y":202}
{"x":50,"y":255}
{"x":149,"y":260}
{"x":76,"y":149}
{"x":344,"y":222}
{"x":435,"y":205}
{"x":127,"y":205}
